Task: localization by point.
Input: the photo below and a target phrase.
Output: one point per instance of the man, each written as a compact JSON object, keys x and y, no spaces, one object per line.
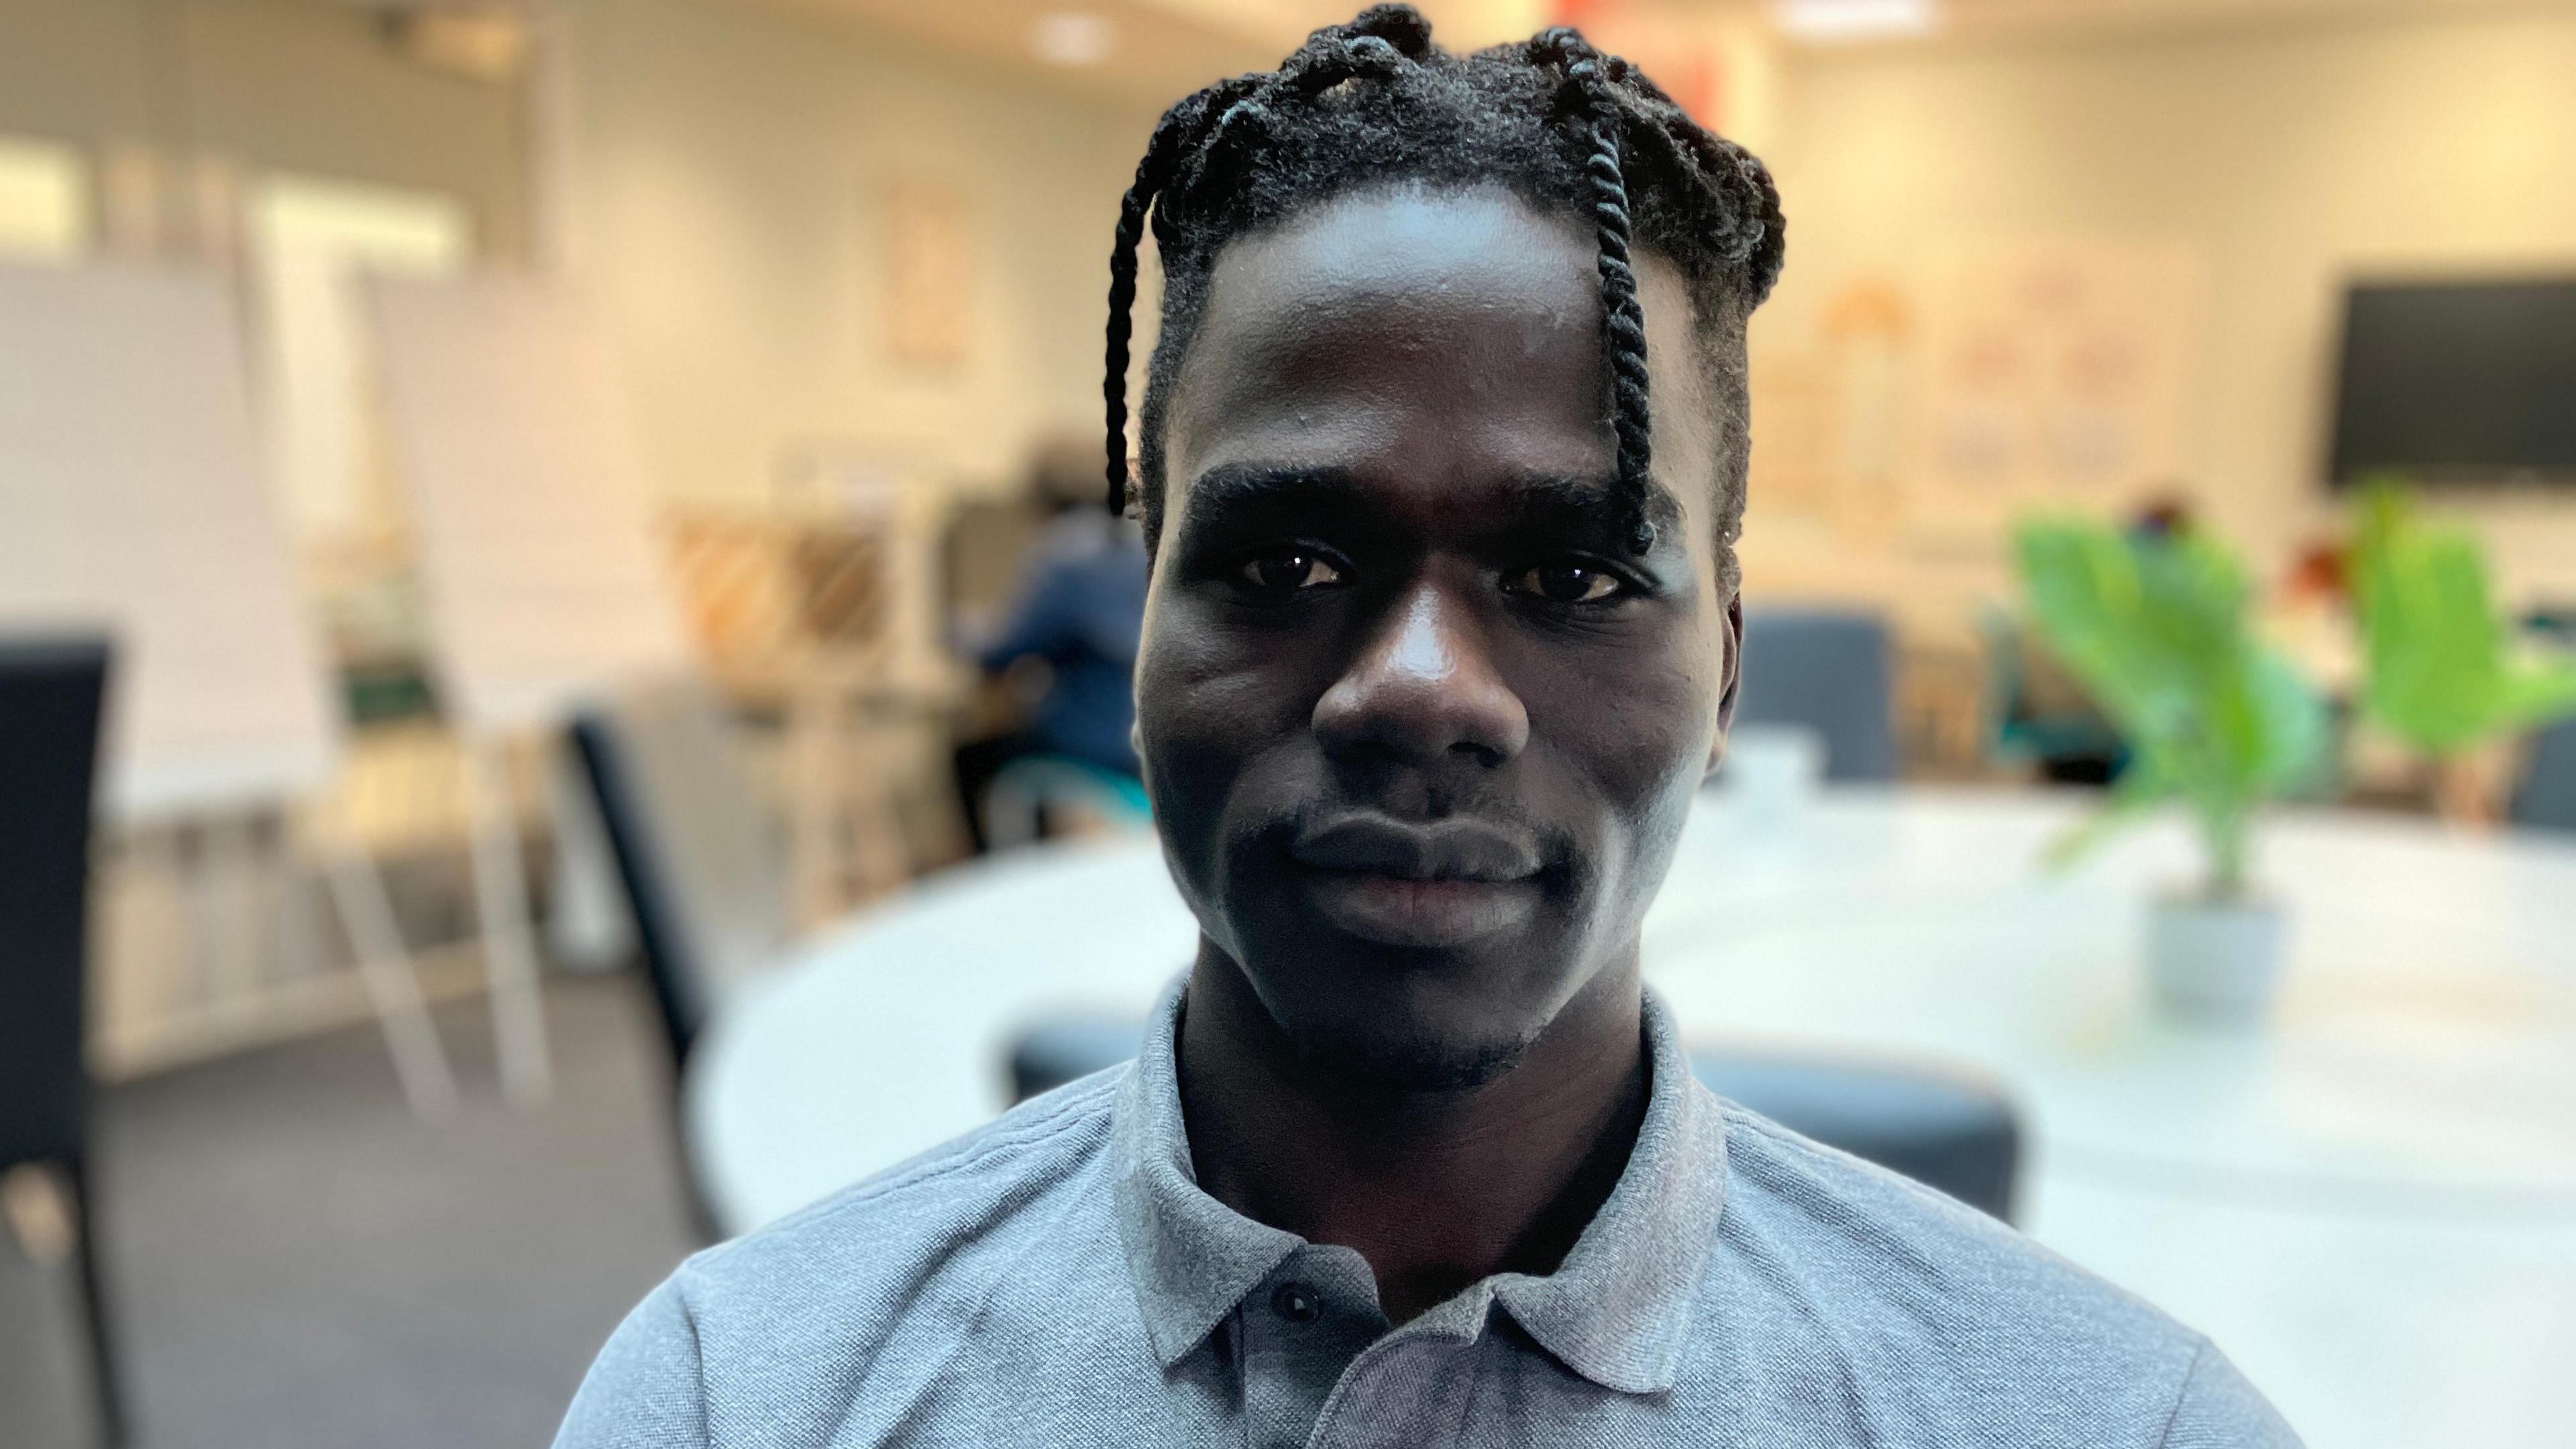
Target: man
{"x":1443,"y":453}
{"x":1078,"y":613}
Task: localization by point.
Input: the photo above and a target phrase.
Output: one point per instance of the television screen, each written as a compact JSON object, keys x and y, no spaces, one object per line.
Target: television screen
{"x":2458,"y":382}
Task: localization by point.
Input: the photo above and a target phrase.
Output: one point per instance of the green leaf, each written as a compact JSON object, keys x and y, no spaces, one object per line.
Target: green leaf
{"x":2441,"y":676}
{"x":2536,"y":697}
{"x":2154,"y":627}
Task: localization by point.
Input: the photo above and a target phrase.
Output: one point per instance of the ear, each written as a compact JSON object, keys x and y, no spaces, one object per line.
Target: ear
{"x":1733,"y":676}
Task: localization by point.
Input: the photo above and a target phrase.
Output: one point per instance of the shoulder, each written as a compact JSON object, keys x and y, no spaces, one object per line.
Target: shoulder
{"x":1859,"y":1227}
{"x":1906,"y":1300}
{"x":989,"y":1189}
{"x":856,"y":1305}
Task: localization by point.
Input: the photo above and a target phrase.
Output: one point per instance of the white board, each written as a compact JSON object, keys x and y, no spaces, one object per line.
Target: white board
{"x":517,"y":455}
{"x":311,"y":241}
{"x":131,"y":499}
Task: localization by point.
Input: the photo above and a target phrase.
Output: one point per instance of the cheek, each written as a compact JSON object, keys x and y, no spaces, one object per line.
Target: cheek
{"x":1639,"y":740}
{"x":1641,"y":730}
{"x":1205,"y":707}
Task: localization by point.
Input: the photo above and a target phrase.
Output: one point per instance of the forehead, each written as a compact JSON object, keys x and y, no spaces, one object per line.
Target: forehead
{"x":1429,"y":339}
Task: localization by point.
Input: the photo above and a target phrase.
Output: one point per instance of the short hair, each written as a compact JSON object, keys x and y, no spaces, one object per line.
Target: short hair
{"x":1563,"y":126}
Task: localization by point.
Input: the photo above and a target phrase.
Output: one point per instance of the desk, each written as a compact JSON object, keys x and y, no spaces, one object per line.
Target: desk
{"x":2371,"y":1204}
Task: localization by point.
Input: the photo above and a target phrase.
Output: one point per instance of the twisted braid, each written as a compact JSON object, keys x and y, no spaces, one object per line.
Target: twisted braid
{"x":1122,"y":321}
{"x":1189,"y":120}
{"x":1623,"y":317}
{"x":1380,"y":42}
{"x":1559,"y":122}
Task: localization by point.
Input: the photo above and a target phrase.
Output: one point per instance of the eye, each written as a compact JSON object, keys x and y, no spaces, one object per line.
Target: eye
{"x":1283,"y":571}
{"x":1567,"y":581}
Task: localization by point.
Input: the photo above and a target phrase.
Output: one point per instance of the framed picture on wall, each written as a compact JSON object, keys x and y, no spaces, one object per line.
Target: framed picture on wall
{"x":929,"y":274}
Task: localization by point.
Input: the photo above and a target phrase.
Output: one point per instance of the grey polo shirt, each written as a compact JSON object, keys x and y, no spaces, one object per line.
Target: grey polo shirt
{"x":1058,"y":1278}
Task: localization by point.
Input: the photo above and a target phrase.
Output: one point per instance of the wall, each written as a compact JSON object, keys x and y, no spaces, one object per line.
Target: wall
{"x":74,"y":72}
{"x":726,"y":174}
{"x":2286,"y":158}
{"x":235,"y":87}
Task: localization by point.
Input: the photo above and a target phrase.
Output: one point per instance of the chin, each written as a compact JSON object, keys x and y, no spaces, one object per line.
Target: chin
{"x":1398,"y":1020}
{"x":1407,"y":1056}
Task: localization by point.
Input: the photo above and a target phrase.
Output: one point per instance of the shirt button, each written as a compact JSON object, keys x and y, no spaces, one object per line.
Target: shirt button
{"x":1297,"y":1303}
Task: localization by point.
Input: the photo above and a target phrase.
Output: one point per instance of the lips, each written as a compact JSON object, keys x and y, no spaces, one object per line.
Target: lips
{"x":1438,"y":884}
{"x":1439,"y":850}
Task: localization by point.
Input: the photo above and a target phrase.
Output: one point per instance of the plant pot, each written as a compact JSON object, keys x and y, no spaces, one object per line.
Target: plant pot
{"x":2216,"y":960}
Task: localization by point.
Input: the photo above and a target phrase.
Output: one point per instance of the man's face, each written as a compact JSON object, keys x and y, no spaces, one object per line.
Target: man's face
{"x":1420,"y":730}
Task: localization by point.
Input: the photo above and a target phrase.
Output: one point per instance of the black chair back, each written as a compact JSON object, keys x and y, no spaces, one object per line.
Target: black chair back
{"x":2547,"y":796}
{"x":1068,"y":1048}
{"x":1944,"y":1130}
{"x":1828,"y":671}
{"x":702,"y":863}
{"x":51,"y":692}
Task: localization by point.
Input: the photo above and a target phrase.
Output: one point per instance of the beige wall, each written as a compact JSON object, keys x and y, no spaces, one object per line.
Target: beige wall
{"x":727,"y":171}
{"x":724,"y":169}
{"x":304,"y":86}
{"x":719,"y":172}
{"x":2287,"y":158}
{"x":73,"y":72}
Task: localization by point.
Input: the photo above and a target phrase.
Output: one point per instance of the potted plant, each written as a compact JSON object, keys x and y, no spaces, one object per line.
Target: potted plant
{"x":2153,"y":623}
{"x":2441,"y":675}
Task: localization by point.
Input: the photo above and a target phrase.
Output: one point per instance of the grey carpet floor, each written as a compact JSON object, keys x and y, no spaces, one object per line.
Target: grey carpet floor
{"x":298,"y":1263}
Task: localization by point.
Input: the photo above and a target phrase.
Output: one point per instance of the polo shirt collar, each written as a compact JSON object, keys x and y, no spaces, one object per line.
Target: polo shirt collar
{"x":1192,"y":1257}
{"x":1616,"y":1311}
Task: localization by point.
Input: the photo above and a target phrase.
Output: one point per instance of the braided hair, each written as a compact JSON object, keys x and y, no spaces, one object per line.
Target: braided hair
{"x":1564,"y":126}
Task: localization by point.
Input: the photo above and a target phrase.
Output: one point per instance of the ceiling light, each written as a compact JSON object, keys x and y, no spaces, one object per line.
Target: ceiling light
{"x":480,"y":41}
{"x":1828,"y":21}
{"x":1072,"y":37}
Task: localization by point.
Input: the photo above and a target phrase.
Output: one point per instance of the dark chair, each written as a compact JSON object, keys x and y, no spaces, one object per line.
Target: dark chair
{"x":703,"y":864}
{"x":1065,"y":1049}
{"x":1948,"y":1133}
{"x":2547,"y":797}
{"x":2036,"y":713}
{"x":1828,"y":671}
{"x":50,"y":697}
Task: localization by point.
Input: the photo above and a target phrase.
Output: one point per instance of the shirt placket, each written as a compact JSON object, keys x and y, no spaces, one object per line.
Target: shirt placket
{"x":1297,"y":1331}
{"x":1415,"y":1387}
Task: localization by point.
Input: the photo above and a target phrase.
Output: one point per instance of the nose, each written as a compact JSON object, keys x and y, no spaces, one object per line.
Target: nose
{"x":1423,"y":690}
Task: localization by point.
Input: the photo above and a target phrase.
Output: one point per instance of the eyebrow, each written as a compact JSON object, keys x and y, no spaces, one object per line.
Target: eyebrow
{"x":1537,"y":500}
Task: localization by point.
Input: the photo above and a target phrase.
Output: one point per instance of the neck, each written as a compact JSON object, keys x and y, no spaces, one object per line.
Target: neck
{"x":1435,"y":1189}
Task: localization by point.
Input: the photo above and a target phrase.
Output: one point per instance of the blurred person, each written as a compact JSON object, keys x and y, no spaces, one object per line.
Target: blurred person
{"x":1074,"y":624}
{"x":1443,"y":457}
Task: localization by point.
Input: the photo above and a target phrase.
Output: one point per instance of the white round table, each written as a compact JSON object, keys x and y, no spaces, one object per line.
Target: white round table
{"x":2370,"y":1203}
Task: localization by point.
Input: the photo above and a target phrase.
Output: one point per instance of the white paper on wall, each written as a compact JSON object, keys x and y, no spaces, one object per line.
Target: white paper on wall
{"x":2057,"y":373}
{"x":517,"y":455}
{"x":131,"y":499}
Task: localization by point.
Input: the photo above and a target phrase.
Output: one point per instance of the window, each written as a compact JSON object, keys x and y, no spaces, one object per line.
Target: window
{"x":44,"y":201}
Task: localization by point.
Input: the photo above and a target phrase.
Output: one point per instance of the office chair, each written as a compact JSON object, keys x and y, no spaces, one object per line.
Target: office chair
{"x":1828,"y":671}
{"x":2546,"y":798}
{"x":51,"y":692}
{"x":703,"y":865}
{"x":1946,"y":1131}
